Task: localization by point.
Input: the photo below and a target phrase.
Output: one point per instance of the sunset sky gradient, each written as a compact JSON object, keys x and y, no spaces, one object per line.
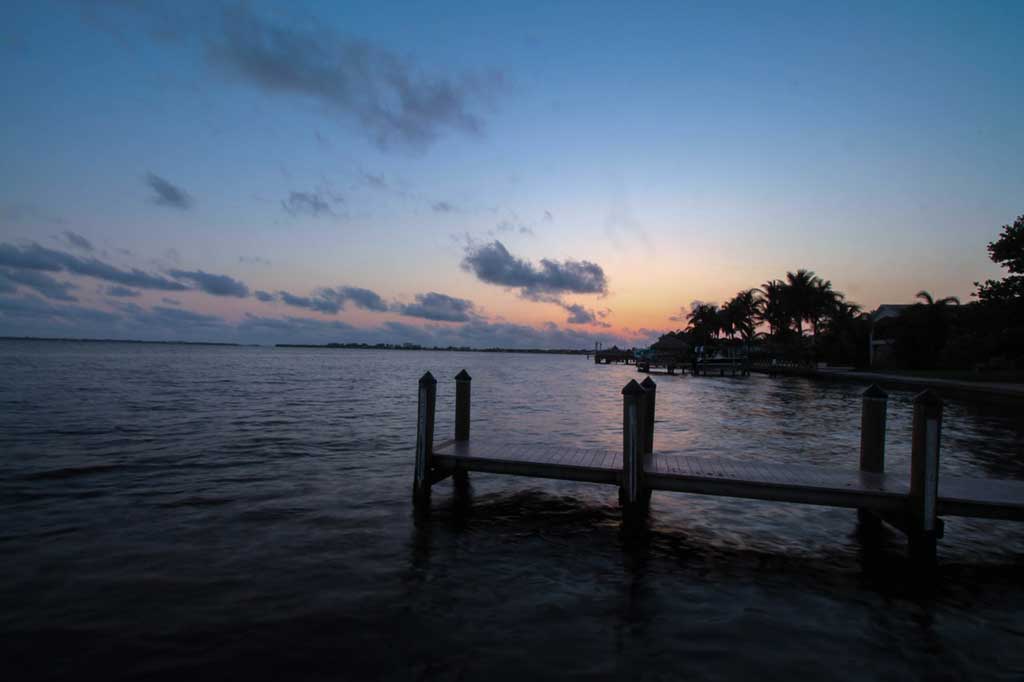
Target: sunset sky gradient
{"x":253,"y":154}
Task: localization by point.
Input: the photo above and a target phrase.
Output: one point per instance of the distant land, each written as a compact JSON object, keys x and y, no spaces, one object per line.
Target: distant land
{"x":164,"y":343}
{"x":414,"y":346}
{"x":357,"y":346}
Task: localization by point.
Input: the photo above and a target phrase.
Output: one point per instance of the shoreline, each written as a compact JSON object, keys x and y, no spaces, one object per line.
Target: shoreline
{"x":986,"y":391}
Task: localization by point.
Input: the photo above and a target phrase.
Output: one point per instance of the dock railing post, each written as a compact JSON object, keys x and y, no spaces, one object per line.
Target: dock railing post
{"x":462,"y":411}
{"x":424,"y":438}
{"x":872,"y":443}
{"x":924,"y":478}
{"x":633,"y":404}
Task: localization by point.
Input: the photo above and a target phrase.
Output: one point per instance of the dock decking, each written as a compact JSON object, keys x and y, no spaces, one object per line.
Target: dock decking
{"x":912,"y":502}
{"x":799,"y":483}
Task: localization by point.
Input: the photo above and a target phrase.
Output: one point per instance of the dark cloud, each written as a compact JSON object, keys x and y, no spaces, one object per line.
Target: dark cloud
{"x":171,"y":301}
{"x":579,"y":314}
{"x":331,"y":300}
{"x":77,"y":241}
{"x":36,"y":257}
{"x":122,"y":292}
{"x":387,"y":95}
{"x":306,"y":203}
{"x":7,"y":286}
{"x":40,"y":282}
{"x":167,"y":193}
{"x":438,"y":307}
{"x":492,"y":263}
{"x":264,"y":296}
{"x":215,"y":285}
{"x":442,"y":207}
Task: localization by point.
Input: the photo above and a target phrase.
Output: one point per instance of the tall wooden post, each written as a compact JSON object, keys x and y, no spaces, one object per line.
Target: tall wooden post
{"x":462,"y":410}
{"x":872,"y":442}
{"x":651,"y":392}
{"x":424,"y":438}
{"x":631,"y":492}
{"x":924,"y":477}
{"x":462,"y":386}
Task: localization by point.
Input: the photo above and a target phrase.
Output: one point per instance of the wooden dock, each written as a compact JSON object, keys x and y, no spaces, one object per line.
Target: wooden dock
{"x":913,"y":502}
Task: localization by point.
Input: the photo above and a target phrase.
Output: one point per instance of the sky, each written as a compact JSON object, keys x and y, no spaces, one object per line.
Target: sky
{"x":520,"y":174}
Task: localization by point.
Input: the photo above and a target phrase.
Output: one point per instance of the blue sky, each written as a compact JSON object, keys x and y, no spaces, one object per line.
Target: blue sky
{"x":687,"y":150}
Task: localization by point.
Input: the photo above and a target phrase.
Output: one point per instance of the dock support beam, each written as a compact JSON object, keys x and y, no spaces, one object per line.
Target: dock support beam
{"x":872,"y":444}
{"x":924,"y":478}
{"x":424,"y":439}
{"x":633,"y":494}
{"x":462,"y":411}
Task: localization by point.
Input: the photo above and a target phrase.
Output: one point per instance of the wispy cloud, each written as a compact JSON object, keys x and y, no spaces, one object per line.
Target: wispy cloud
{"x":77,"y":241}
{"x":166,"y":193}
{"x":307,"y":203}
{"x":40,"y":282}
{"x":389,"y":96}
{"x":36,"y":257}
{"x":442,"y":207}
{"x":331,"y":300}
{"x":122,"y":292}
{"x":215,"y":285}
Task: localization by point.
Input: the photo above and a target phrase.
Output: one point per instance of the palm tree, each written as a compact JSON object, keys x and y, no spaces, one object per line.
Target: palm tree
{"x":743,"y":309}
{"x":774,"y":306}
{"x":929,"y":300}
{"x":802,"y":294}
{"x":704,"y":322}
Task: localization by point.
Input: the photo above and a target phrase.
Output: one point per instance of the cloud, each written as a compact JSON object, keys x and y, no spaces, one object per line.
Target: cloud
{"x":264,"y":296}
{"x":492,"y":263}
{"x":331,"y":300}
{"x":306,"y":203}
{"x":375,"y":181}
{"x":578,"y":314}
{"x":40,"y":282}
{"x":442,"y":207}
{"x":166,"y":193}
{"x":548,"y":217}
{"x":215,"y":285}
{"x":439,"y":307}
{"x":122,"y":292}
{"x":253,"y":260}
{"x":32,"y":316}
{"x":171,"y":301}
{"x":77,"y":241}
{"x":387,"y":95}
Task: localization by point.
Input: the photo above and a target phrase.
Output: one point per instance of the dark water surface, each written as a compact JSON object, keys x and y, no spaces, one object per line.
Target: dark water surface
{"x":181,"y":512}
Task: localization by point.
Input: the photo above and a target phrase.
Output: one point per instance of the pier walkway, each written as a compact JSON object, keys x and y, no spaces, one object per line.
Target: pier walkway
{"x":912,"y":502}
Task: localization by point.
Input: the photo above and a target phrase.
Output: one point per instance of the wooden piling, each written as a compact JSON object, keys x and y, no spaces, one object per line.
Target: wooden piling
{"x":924,"y":477}
{"x":651,"y":393}
{"x":872,"y":443}
{"x":462,"y":410}
{"x":631,"y":492}
{"x":424,"y":438}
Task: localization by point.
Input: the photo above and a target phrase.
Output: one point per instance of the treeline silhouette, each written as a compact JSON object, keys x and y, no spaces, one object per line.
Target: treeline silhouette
{"x":803,"y":318}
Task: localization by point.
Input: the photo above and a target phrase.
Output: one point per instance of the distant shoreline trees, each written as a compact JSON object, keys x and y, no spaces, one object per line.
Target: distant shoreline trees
{"x":804,"y":318}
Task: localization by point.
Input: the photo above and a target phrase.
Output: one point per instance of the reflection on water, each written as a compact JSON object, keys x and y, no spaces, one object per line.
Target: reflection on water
{"x":181,"y":512}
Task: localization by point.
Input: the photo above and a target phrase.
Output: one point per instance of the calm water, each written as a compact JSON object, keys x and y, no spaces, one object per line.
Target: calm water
{"x":174,"y":512}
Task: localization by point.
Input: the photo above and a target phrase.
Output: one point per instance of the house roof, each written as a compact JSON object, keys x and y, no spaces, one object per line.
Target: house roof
{"x":889,"y":310}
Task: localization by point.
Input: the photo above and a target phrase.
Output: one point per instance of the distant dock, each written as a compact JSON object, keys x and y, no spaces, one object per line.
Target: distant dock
{"x":912,"y":502}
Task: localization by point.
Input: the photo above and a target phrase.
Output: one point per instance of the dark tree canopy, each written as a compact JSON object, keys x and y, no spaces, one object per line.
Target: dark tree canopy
{"x":1007,"y":251}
